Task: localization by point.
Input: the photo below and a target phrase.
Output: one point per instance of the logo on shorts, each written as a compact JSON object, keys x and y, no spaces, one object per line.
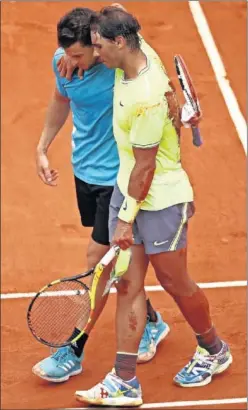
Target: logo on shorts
{"x":156,"y":243}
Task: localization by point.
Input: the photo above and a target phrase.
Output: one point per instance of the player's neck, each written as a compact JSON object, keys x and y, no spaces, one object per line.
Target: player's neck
{"x":133,"y":63}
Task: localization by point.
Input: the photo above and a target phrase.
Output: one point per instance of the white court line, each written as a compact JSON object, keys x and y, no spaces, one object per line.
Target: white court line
{"x":156,"y":288}
{"x":220,"y":72}
{"x":180,"y":404}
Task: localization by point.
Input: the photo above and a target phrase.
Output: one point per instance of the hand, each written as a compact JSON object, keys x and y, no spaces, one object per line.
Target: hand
{"x":194,"y":121}
{"x":189,"y":117}
{"x":66,"y":68}
{"x":47,"y":175}
{"x":123,"y":235}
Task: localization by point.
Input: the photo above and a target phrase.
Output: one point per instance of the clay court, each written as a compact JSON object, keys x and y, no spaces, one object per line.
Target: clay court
{"x":42,"y":238}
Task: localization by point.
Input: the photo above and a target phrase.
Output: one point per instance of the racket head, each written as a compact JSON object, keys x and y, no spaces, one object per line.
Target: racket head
{"x":186,"y":83}
{"x":73,"y":306}
{"x":57,"y":309}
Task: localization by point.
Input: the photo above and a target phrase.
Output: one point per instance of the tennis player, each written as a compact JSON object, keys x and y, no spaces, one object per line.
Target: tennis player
{"x":152,"y":202}
{"x":95,"y":163}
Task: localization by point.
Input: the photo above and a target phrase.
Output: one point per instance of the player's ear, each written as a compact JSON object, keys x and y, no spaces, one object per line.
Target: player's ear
{"x":120,"y":42}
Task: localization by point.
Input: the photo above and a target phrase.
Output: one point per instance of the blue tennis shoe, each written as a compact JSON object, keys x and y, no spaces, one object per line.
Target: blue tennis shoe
{"x":60,"y":366}
{"x":153,"y":334}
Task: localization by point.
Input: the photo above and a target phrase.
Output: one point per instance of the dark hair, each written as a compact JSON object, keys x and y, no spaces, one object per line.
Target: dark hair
{"x":112,"y":22}
{"x":74,"y":27}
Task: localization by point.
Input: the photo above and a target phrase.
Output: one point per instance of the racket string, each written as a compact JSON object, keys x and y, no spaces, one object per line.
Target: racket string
{"x":58,"y":310}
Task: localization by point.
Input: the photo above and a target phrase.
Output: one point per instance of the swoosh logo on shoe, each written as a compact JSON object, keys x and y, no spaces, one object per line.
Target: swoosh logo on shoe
{"x":120,"y":393}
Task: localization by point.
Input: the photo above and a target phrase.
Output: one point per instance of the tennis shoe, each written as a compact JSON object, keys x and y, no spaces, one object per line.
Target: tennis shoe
{"x":201,"y":368}
{"x":153,"y":334}
{"x":113,"y":391}
{"x":60,"y":366}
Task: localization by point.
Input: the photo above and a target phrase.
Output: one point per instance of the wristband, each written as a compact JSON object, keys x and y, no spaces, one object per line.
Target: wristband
{"x":129,"y":209}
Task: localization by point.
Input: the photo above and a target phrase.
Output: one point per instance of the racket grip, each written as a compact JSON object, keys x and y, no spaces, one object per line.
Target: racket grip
{"x":110,"y":255}
{"x":197,"y":140}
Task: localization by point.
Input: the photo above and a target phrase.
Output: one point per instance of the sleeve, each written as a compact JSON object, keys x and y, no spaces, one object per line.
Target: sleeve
{"x":148,"y":123}
{"x":59,"y":80}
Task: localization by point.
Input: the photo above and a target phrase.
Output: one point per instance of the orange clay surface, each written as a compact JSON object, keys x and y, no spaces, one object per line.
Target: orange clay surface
{"x":42,"y":238}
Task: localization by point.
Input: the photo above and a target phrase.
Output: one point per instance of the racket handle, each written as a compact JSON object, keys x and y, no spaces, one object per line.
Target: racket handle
{"x":197,"y":140}
{"x":110,"y":255}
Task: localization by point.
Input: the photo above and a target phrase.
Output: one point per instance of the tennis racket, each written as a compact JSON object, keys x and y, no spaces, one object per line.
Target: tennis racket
{"x":65,"y":304}
{"x":189,"y":94}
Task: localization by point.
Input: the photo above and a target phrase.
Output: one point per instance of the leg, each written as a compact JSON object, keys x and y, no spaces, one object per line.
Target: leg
{"x":171,"y":271}
{"x":131,"y":303}
{"x":156,"y":329}
{"x":151,"y":312}
{"x":99,"y":244}
{"x":94,"y":254}
{"x":121,"y":387}
{"x":212,"y":355}
{"x":169,"y":259}
{"x":93,"y":203}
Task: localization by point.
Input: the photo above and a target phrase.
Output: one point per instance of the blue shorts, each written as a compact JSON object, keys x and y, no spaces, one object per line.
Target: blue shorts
{"x":159,"y":231}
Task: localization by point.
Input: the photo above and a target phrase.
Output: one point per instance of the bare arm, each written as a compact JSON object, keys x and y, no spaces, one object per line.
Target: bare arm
{"x":57,"y":113}
{"x":148,"y":119}
{"x":139,"y":184}
{"x":142,"y":173}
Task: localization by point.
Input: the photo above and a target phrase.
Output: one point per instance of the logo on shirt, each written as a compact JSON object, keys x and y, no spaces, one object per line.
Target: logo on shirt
{"x":121,"y":104}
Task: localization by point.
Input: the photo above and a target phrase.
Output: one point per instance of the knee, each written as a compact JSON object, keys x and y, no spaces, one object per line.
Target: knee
{"x":123,"y":287}
{"x":166,"y":282}
{"x":128,"y":288}
{"x":177,"y":286}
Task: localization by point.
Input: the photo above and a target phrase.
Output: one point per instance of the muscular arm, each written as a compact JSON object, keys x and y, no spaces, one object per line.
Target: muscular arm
{"x":139,"y":184}
{"x":57,"y":113}
{"x":142,"y":173}
{"x":148,"y":119}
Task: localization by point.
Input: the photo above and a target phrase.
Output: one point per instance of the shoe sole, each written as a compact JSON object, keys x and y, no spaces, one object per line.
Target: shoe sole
{"x":116,"y":402}
{"x":208,"y":380}
{"x":57,"y":380}
{"x":161,"y":337}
